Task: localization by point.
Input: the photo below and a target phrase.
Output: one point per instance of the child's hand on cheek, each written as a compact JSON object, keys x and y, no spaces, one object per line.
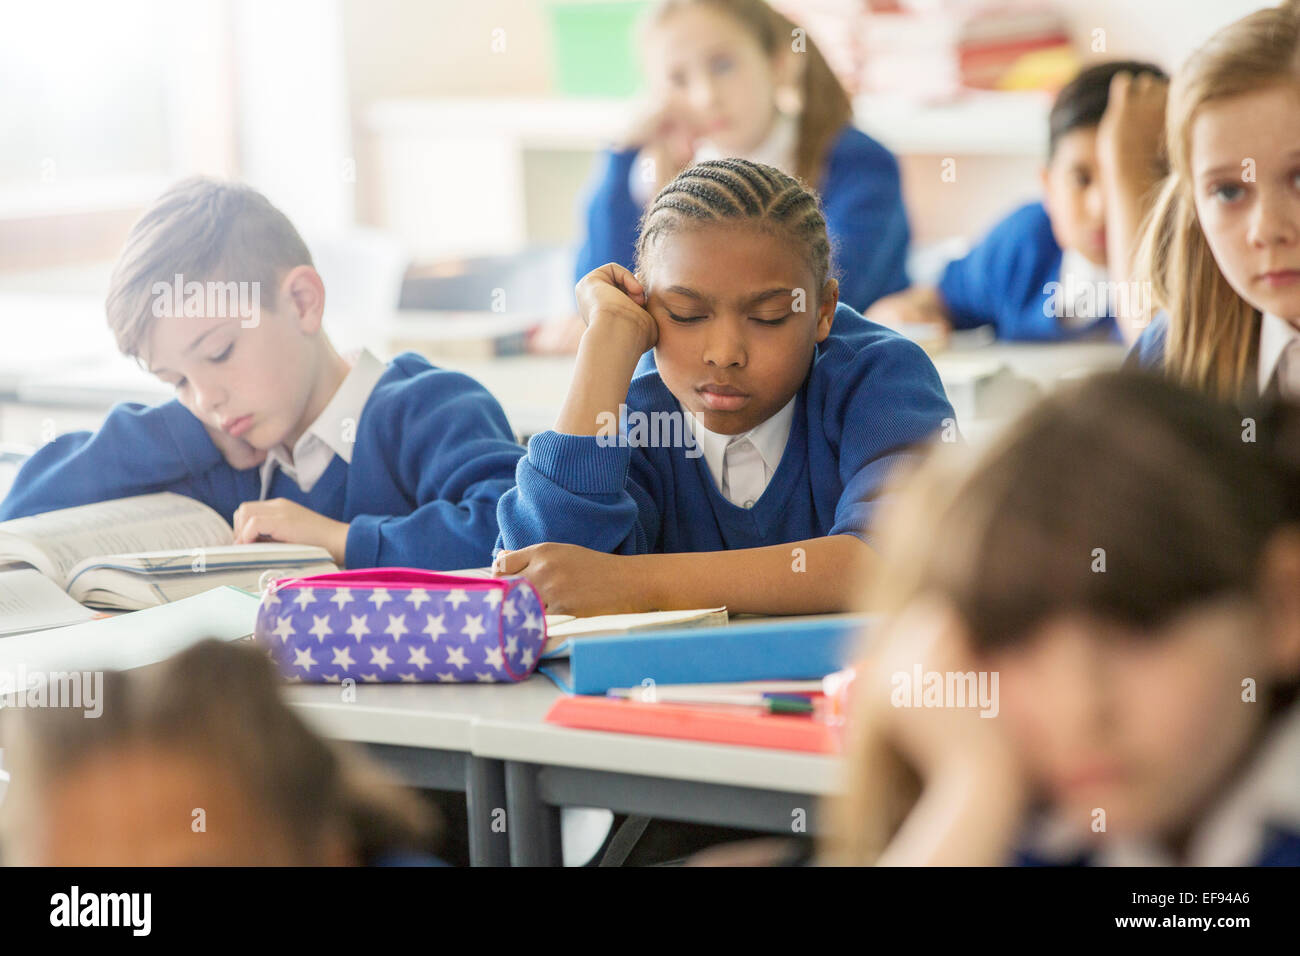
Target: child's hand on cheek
{"x":238,"y":453}
{"x":613,"y":303}
{"x":666,"y":139}
{"x":574,"y":580}
{"x":282,"y":520}
{"x":938,"y":740}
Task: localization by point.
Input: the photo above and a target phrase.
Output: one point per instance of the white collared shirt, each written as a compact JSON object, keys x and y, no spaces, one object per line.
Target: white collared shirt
{"x":777,"y":149}
{"x":1276,"y":336}
{"x":1233,"y":832}
{"x":1087,"y":286}
{"x":743,"y":474}
{"x":332,"y":433}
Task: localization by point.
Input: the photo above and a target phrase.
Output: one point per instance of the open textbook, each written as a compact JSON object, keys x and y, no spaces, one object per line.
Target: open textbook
{"x":137,"y":552}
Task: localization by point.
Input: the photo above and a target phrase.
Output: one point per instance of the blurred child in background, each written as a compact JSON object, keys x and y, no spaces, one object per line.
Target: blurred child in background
{"x":1044,"y":273}
{"x":731,"y":78}
{"x":1126,"y":562}
{"x":197,"y":761}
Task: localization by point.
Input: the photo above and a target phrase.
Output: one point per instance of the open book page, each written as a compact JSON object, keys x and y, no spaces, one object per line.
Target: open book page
{"x":63,"y":538}
{"x":30,"y":601}
{"x":133,"y":581}
{"x":562,"y":627}
{"x":134,"y":640}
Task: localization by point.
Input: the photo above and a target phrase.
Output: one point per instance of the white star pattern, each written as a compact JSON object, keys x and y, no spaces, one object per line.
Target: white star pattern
{"x":350,"y":634}
{"x":320,"y":627}
{"x":434,"y":627}
{"x":473,"y":627}
{"x":396,"y":626}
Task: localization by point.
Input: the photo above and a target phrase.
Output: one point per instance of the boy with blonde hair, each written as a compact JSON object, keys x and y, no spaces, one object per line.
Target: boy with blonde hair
{"x":216,"y":294}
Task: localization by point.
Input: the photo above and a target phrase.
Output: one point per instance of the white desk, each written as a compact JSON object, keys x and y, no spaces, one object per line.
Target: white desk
{"x":492,"y":742}
{"x":424,"y":732}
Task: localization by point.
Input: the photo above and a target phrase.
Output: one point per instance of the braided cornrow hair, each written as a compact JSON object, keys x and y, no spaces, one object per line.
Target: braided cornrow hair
{"x":738,"y":189}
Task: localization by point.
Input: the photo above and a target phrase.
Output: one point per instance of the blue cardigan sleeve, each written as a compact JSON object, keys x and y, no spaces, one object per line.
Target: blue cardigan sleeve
{"x":890,"y":405}
{"x":612,"y":215}
{"x":862,"y":200}
{"x":575,"y":489}
{"x":451,"y":448}
{"x":991,"y":282}
{"x":138,"y":450}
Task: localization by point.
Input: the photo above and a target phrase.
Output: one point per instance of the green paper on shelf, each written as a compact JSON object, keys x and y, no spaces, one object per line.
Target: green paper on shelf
{"x":594,"y":47}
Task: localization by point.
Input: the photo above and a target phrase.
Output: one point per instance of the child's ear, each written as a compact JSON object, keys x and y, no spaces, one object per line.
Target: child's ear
{"x":829,"y":301}
{"x":1280,"y":583}
{"x":303,"y":287}
{"x":1044,"y":174}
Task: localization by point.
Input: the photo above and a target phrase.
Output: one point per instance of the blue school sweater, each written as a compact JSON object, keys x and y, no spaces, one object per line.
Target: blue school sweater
{"x":1004,"y":282}
{"x":870,"y":395}
{"x":1149,"y":349}
{"x":861,"y":198}
{"x":433,"y":454}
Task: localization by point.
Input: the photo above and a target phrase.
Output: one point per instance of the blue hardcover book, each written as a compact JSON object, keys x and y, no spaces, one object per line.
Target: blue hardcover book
{"x":801,"y":649}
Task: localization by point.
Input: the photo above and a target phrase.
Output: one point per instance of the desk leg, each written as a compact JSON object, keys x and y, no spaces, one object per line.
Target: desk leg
{"x":485,"y":804}
{"x":534,"y":826}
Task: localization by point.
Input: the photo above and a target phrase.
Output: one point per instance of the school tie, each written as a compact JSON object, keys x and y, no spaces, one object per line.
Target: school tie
{"x":744,"y":475}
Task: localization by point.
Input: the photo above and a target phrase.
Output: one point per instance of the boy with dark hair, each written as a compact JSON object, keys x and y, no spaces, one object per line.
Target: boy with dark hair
{"x":1057,"y":269}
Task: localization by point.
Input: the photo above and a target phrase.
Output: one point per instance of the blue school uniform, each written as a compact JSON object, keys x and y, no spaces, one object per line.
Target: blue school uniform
{"x":1149,"y":350}
{"x":861,"y":198}
{"x":1012,"y":281}
{"x":869,"y":396}
{"x":432,"y":455}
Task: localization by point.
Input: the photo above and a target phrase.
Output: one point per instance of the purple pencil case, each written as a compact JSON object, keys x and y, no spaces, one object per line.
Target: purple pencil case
{"x":390,"y":625}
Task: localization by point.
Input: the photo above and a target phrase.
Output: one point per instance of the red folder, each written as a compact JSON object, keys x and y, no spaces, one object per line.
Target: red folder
{"x":743,"y":726}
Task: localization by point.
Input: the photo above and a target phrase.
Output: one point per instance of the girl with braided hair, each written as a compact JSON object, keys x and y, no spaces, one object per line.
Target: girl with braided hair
{"x":742,"y":467}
